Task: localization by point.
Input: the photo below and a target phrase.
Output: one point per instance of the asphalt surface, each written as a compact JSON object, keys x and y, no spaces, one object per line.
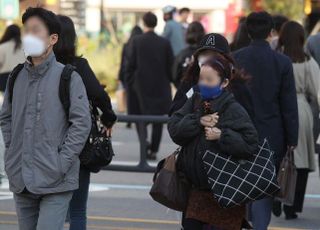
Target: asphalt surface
{"x":120,"y":200}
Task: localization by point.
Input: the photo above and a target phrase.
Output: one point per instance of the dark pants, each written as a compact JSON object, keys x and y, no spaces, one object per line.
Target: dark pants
{"x":260,"y":213}
{"x":302,"y":179}
{"x":78,"y":204}
{"x":193,"y":224}
{"x":155,"y":136}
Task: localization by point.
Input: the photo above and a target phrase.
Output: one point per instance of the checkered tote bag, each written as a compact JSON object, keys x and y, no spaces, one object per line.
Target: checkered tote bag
{"x":234,"y":182}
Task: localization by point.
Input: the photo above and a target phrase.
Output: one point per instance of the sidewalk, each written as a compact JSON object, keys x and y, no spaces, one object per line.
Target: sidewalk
{"x":121,"y":201}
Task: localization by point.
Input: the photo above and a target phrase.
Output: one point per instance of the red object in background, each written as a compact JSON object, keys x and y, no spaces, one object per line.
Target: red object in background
{"x":256,"y":5}
{"x":232,"y":18}
{"x":205,"y":21}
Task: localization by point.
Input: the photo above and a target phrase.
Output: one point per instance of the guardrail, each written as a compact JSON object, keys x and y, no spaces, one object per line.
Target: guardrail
{"x":142,"y":165}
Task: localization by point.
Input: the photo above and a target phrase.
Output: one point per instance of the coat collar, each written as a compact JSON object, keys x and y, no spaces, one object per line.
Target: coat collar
{"x":41,"y":69}
{"x":260,"y":42}
{"x":219,"y":104}
{"x":150,"y":32}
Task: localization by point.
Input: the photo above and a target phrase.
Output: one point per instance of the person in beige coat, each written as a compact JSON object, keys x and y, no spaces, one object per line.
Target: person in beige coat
{"x":11,"y":53}
{"x":307,"y":77}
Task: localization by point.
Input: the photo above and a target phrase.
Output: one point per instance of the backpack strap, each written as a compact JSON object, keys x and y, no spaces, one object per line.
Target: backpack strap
{"x":64,"y":87}
{"x":12,"y":78}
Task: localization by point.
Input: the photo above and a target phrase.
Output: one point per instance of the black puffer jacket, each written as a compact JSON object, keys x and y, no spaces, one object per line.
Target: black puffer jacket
{"x":239,"y":137}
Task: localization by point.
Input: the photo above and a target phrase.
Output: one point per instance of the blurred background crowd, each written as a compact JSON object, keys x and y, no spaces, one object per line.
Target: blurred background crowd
{"x":104,"y":26}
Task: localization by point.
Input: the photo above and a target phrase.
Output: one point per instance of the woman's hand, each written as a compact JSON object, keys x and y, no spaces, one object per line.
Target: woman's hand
{"x":107,"y":131}
{"x":209,"y":120}
{"x":212,"y":134}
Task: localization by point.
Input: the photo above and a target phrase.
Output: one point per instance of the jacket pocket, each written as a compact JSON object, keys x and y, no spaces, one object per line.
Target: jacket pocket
{"x":48,"y":168}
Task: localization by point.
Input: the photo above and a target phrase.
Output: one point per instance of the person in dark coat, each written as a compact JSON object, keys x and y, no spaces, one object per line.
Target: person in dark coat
{"x":194,"y":34}
{"x":212,"y":120}
{"x":274,"y":99}
{"x":65,"y":51}
{"x":148,"y":74}
{"x":136,"y":30}
{"x":130,"y":94}
{"x":211,"y":45}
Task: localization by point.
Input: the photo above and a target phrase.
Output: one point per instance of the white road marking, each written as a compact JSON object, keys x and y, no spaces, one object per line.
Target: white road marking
{"x":5,"y":194}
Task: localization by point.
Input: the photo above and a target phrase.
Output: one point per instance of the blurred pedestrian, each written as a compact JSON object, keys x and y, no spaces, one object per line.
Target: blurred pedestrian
{"x":194,"y":34}
{"x":220,"y":130}
{"x":211,"y":45}
{"x":241,"y":37}
{"x":313,"y":47}
{"x":148,"y":74}
{"x":124,"y":60}
{"x":274,"y":99}
{"x":65,"y":51}
{"x":307,"y":78}
{"x":11,"y":53}
{"x":278,"y":21}
{"x":173,"y":30}
{"x":43,"y":138}
{"x":184,"y":14}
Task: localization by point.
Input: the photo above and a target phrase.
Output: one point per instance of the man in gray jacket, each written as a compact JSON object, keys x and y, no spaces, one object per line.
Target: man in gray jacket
{"x":42,"y":145}
{"x":173,"y":30}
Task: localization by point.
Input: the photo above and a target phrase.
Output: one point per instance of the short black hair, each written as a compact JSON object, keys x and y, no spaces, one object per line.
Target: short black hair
{"x":278,"y":21}
{"x":259,"y":25}
{"x":184,"y":10}
{"x":48,"y":17}
{"x":150,"y":20}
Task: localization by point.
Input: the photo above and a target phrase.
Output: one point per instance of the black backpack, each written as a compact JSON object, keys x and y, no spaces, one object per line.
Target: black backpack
{"x":98,"y":151}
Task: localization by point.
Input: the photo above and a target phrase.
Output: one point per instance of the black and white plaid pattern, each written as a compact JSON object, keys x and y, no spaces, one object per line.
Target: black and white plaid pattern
{"x":236,"y":182}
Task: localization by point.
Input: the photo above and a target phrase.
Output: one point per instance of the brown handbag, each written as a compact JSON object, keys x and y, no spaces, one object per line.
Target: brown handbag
{"x":170,"y":187}
{"x":287,"y":179}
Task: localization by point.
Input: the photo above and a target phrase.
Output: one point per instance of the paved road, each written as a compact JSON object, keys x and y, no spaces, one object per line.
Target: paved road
{"x":120,"y":200}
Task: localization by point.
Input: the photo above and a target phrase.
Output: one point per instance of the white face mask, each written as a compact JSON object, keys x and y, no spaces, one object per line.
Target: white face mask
{"x":33,"y":46}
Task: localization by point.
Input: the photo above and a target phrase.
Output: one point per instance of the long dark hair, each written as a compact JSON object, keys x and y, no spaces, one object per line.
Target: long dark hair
{"x":291,"y":41}
{"x":136,"y":30}
{"x":65,"y":48}
{"x":241,"y":37}
{"x":234,"y":74}
{"x":195,"y":33}
{"x":12,"y":32}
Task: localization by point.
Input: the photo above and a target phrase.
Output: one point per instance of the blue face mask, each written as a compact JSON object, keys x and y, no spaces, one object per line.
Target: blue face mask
{"x":209,"y":92}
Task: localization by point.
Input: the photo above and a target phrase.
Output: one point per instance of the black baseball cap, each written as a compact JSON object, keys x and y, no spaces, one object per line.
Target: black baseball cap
{"x":215,"y":42}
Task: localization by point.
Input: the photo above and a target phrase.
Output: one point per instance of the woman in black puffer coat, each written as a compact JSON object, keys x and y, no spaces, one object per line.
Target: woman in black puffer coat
{"x":212,"y":120}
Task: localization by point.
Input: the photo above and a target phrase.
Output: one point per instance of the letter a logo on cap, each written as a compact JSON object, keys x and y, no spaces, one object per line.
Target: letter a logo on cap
{"x":211,"y":41}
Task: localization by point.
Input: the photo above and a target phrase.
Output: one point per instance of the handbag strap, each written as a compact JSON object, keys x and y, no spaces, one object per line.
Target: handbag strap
{"x":290,"y":155}
{"x":161,"y":163}
{"x":159,"y":167}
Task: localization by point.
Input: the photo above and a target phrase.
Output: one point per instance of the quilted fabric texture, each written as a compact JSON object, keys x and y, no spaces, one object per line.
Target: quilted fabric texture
{"x":234,"y":182}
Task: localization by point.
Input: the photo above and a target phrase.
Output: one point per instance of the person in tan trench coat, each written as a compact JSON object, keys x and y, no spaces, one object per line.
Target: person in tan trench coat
{"x":307,"y":79}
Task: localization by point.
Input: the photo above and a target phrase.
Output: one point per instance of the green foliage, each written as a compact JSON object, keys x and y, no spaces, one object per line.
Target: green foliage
{"x":104,"y":59}
{"x":293,"y":9}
